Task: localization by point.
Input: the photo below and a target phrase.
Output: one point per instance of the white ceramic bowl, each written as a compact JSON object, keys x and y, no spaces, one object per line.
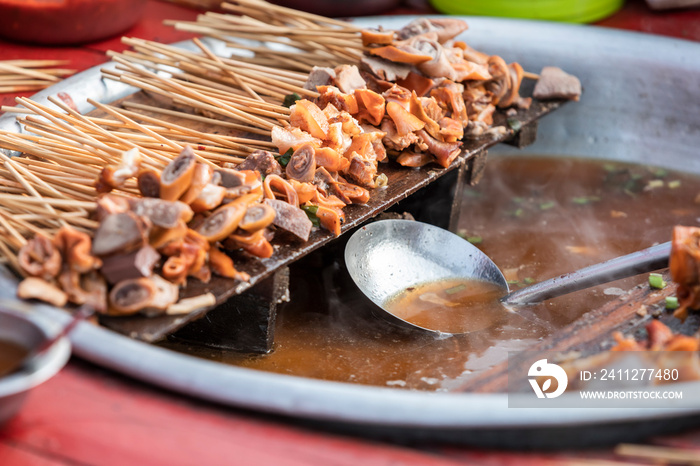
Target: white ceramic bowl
{"x":19,"y":324}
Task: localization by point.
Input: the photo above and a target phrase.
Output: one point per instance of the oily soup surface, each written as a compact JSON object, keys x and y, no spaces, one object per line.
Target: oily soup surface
{"x":537,"y":218}
{"x":10,"y":354}
{"x":453,"y":306}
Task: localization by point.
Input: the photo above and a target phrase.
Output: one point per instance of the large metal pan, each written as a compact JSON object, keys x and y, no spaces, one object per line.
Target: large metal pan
{"x":640,"y":104}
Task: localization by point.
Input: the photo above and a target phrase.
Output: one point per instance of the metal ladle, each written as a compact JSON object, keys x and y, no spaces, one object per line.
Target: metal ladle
{"x":386,"y":257}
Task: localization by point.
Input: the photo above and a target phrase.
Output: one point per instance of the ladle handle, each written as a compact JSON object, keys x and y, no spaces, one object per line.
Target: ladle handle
{"x":646,"y":260}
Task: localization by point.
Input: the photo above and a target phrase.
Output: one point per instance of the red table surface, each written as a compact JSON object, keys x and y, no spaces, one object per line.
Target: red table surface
{"x":88,"y":415}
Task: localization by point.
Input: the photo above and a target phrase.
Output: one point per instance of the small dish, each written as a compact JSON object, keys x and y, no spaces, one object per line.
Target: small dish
{"x":67,"y":22}
{"x":19,"y":325}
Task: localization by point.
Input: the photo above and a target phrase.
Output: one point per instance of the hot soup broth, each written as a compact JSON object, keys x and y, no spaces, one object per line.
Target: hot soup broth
{"x":454,"y":306}
{"x":537,"y":218}
{"x":11,"y":354}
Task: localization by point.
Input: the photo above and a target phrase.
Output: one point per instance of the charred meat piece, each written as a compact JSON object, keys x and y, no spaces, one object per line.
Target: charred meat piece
{"x":290,"y":218}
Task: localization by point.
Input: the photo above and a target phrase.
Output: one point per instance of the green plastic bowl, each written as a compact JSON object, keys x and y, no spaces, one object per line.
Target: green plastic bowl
{"x":571,"y":11}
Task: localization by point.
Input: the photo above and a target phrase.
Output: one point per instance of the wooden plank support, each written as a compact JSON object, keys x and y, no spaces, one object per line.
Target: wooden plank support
{"x":245,"y":322}
{"x":526,"y":135}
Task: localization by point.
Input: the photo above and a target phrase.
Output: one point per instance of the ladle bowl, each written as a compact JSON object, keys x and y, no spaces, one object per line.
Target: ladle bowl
{"x":386,"y":257}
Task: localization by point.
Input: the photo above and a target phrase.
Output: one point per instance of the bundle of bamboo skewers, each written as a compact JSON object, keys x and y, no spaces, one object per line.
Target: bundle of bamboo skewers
{"x":279,"y":37}
{"x":54,"y":184}
{"x":30,"y":75}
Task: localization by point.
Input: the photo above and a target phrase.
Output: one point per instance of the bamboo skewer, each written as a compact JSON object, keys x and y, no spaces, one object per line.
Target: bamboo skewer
{"x":229,"y":72}
{"x":199,"y":118}
{"x":30,"y":75}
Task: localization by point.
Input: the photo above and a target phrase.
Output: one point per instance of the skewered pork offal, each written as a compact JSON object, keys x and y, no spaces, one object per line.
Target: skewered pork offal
{"x":169,"y":210}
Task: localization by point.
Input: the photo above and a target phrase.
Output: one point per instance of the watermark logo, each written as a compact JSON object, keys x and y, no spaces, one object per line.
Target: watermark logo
{"x":542,"y":372}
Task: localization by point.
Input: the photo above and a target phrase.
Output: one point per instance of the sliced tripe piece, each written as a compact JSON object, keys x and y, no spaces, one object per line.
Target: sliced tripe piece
{"x":136,"y":264}
{"x":224,"y":220}
{"x":121,"y":232}
{"x":348,"y":79}
{"x":161,"y":213}
{"x":222,"y":265}
{"x":290,"y":218}
{"x":555,"y":83}
{"x":376,"y":37}
{"x":130,"y":296}
{"x":177,"y":175}
{"x":307,"y":116}
{"x":401,"y":54}
{"x":38,"y":288}
{"x":291,"y":138}
{"x":319,"y":76}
